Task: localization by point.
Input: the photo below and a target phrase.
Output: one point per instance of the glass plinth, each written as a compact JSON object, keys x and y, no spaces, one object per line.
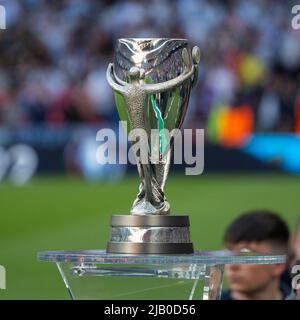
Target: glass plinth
{"x":95,"y":274}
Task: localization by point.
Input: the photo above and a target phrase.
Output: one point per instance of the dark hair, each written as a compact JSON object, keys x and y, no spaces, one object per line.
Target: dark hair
{"x":259,"y":225}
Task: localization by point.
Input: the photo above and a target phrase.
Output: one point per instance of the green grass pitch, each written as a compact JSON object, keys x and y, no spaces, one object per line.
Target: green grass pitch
{"x":59,"y":213}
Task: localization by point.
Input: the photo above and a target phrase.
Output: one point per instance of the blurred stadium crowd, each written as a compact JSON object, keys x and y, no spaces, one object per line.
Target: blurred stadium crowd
{"x":54,"y":56}
{"x":53,"y":59}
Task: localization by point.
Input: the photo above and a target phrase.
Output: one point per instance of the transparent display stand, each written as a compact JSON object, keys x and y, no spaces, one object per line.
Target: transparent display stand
{"x":94,"y":274}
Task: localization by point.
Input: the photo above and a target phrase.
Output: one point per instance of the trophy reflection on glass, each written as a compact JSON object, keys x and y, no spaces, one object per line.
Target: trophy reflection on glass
{"x":152,"y":81}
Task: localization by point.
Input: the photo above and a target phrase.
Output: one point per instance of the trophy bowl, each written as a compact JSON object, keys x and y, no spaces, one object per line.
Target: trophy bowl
{"x":152,"y":81}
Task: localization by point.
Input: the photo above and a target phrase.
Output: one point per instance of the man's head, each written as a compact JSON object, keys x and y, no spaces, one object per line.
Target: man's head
{"x":264,"y":232}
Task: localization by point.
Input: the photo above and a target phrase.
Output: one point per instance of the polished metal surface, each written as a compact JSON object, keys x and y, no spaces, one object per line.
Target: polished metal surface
{"x":152,"y":80}
{"x":150,"y":234}
{"x":149,"y":221}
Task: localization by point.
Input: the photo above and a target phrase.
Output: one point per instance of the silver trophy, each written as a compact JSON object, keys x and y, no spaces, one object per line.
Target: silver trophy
{"x":152,"y":80}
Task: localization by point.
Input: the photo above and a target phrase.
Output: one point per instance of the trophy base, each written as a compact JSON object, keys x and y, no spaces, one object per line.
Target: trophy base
{"x":150,"y":234}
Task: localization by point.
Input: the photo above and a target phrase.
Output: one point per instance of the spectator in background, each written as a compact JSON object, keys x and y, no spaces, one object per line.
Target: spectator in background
{"x":295,"y":268}
{"x":262,"y":232}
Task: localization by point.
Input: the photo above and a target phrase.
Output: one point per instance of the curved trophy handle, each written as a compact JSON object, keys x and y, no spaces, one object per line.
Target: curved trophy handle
{"x":110,"y":77}
{"x":196,"y":55}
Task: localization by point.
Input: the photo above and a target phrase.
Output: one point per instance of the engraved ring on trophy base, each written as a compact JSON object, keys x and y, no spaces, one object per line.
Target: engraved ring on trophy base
{"x":147,"y":234}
